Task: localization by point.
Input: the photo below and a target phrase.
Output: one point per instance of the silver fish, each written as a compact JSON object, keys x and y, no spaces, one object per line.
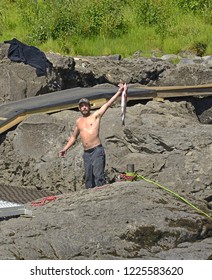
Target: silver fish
{"x":124,"y":103}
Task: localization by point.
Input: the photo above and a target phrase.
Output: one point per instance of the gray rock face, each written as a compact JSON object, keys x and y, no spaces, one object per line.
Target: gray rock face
{"x":19,"y":80}
{"x":169,"y":143}
{"x":194,"y":74}
{"x":121,"y":221}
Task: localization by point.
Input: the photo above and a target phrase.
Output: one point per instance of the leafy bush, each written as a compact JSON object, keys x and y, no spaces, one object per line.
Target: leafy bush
{"x":199,"y":48}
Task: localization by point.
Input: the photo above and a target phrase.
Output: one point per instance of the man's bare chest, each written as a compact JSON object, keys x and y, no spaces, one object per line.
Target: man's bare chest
{"x":89,"y":124}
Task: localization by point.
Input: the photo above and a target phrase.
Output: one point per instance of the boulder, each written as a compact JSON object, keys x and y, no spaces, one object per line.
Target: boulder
{"x":19,"y":80}
{"x":164,"y":214}
{"x":125,"y":220}
{"x":161,"y":138}
{"x":186,"y":75}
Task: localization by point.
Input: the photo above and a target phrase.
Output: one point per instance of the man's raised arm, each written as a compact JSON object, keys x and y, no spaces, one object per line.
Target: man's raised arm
{"x":104,"y":107}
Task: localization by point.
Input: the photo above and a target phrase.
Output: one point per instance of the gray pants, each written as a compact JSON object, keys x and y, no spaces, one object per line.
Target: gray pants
{"x":94,"y":164}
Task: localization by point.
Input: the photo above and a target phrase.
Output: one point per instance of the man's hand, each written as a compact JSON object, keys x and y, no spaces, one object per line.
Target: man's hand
{"x":121,"y":87}
{"x":62,"y":153}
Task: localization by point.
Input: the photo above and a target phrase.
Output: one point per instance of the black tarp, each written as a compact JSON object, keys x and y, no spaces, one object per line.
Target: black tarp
{"x":19,"y":52}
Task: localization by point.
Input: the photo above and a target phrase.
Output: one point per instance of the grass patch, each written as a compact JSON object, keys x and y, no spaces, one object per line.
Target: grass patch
{"x":72,"y":29}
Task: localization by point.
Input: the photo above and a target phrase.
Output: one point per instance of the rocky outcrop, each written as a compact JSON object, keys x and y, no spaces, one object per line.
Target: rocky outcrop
{"x":168,"y":143}
{"x":164,"y":140}
{"x":121,"y":221}
{"x":18,"y":80}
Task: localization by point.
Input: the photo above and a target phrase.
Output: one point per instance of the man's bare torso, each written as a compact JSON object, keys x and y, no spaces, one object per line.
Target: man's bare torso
{"x":89,"y":130}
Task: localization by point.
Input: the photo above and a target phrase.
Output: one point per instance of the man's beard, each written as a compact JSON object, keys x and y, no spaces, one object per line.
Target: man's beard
{"x":85,"y":113}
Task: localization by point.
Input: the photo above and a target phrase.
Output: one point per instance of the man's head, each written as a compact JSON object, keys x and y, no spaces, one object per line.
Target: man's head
{"x":84,"y":106}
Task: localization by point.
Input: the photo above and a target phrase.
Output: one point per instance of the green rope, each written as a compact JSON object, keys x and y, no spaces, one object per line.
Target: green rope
{"x":175,"y":194}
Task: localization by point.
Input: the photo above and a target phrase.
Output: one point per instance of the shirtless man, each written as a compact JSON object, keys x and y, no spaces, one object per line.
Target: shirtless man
{"x":87,"y":127}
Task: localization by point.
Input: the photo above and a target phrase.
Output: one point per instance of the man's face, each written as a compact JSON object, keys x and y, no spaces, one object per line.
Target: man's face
{"x":84,"y":109}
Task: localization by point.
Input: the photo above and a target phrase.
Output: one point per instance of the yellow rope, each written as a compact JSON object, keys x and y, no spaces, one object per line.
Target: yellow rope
{"x":177,"y":195}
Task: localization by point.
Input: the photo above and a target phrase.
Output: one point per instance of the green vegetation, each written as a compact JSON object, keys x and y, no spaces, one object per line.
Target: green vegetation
{"x":94,"y":27}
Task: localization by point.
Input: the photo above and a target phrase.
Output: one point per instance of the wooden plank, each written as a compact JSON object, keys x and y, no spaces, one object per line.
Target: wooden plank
{"x":182,"y":94}
{"x":183,"y":91}
{"x":199,"y":88}
{"x":12,"y":123}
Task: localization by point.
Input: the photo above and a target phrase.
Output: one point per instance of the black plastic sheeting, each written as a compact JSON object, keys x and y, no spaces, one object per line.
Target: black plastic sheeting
{"x":60,"y":99}
{"x":31,"y":55}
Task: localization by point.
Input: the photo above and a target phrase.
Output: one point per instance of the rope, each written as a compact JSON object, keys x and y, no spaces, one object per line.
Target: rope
{"x":168,"y":190}
{"x":43,"y":201}
{"x":129,"y":178}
